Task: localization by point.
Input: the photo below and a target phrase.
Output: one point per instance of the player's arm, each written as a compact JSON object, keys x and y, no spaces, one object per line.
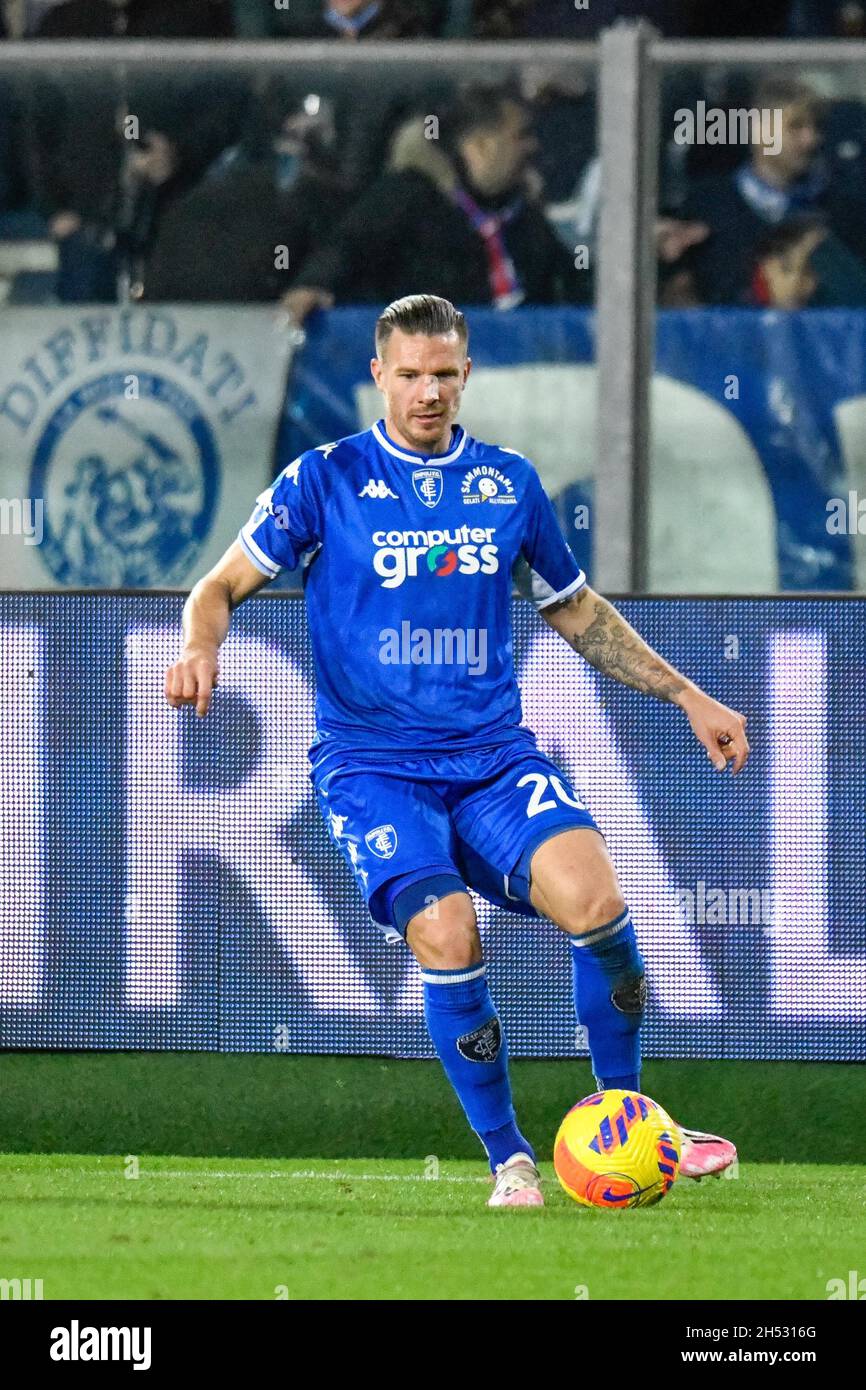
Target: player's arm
{"x":593,"y":627}
{"x":206,"y":618}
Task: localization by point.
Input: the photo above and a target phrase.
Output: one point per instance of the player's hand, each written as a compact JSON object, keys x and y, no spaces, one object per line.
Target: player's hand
{"x":191,"y":680}
{"x":721,"y":730}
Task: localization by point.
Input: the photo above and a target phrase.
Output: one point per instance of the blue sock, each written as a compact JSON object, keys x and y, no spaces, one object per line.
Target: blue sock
{"x":468,"y":1037}
{"x":609,"y":999}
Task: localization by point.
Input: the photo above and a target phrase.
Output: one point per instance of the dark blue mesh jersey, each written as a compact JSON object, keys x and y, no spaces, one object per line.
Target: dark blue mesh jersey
{"x":409,"y":563}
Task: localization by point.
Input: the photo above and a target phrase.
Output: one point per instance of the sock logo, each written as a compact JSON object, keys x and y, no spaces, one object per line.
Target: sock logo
{"x":630,"y":998}
{"x":483,"y":1044}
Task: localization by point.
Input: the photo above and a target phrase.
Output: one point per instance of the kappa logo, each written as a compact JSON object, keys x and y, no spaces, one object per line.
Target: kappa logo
{"x":353,"y":856}
{"x":483,"y":1044}
{"x":377,"y":488}
{"x":484,"y":483}
{"x":382,"y":841}
{"x":427,"y":483}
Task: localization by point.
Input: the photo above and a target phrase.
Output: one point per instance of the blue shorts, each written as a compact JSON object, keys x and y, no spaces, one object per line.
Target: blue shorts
{"x":480,"y":815}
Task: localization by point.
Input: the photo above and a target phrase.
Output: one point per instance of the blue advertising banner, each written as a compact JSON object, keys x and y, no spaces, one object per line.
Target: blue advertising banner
{"x":166,"y":882}
{"x":759,"y":431}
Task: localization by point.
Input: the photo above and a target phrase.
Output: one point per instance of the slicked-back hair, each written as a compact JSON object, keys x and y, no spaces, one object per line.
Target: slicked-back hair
{"x":420,"y":313}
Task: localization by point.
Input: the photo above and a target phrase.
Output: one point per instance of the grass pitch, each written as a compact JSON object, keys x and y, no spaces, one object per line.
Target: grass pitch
{"x":229,"y":1228}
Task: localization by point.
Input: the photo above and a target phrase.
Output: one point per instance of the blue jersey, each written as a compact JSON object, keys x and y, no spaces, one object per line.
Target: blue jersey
{"x":409,"y":561}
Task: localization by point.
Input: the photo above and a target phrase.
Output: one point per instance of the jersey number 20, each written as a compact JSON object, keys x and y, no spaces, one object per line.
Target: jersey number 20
{"x":536,"y":802}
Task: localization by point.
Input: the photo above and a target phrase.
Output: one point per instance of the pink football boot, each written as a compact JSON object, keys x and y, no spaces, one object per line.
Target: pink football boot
{"x":705,"y":1155}
{"x":518,"y":1184}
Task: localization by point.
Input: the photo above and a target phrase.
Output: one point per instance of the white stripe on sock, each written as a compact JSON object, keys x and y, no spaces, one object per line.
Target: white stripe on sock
{"x":602,"y":933}
{"x":472,"y":973}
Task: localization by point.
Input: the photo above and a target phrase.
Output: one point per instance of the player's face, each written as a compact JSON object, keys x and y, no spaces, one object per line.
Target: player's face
{"x":422,"y":379}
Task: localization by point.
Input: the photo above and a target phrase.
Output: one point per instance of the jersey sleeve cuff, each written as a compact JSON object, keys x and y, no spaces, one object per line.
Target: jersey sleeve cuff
{"x":254,"y":552}
{"x":569,"y":589}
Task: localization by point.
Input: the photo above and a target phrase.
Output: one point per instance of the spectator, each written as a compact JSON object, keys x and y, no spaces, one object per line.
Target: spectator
{"x":365,"y":113}
{"x":769,"y":189}
{"x":561,"y":19}
{"x":22,"y":18}
{"x":351,"y":20}
{"x":476,"y":239}
{"x":784,"y":276}
{"x":167,"y":19}
{"x":735,"y":19}
{"x":16,"y":216}
{"x":101,"y":187}
{"x":223,"y":240}
{"x":827,"y":19}
{"x":19,"y":19}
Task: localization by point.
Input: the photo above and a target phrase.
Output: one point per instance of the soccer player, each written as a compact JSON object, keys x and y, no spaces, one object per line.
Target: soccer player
{"x":411,"y":534}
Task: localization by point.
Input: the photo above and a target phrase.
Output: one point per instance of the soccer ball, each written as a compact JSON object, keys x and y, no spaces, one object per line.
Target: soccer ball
{"x":617,"y":1149}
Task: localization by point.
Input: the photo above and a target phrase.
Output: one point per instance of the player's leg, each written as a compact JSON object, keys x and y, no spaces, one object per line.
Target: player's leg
{"x":438,"y":919}
{"x":574,"y":884}
{"x":397,"y":837}
{"x":527,"y":842}
{"x":522,"y":804}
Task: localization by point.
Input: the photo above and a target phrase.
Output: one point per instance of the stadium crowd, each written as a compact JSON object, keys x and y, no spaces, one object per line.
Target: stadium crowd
{"x":351,"y":19}
{"x":254,"y":186}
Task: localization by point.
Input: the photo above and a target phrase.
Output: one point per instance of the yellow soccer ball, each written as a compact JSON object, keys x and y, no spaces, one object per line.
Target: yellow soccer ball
{"x":617,"y":1149}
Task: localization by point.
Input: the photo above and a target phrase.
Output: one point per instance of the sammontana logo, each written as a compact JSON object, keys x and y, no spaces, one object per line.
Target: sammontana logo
{"x":484,"y":483}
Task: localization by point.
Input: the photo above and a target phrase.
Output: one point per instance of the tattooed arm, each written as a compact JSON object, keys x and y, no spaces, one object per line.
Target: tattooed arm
{"x":592,"y":625}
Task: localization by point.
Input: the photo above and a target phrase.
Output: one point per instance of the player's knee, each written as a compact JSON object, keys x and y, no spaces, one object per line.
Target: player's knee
{"x":592,"y":907}
{"x":444,"y":934}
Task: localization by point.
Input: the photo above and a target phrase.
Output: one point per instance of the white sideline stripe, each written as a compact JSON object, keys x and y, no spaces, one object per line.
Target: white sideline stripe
{"x":301,"y":1173}
{"x":333,"y":1177}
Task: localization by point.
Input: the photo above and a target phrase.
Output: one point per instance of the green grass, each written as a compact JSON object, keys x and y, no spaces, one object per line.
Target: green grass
{"x":217,"y":1212}
{"x":213,"y":1228}
{"x":270,"y":1106}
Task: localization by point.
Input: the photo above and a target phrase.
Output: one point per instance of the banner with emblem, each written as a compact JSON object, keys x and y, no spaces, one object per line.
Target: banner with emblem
{"x":788,"y":438}
{"x":133,"y":441}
